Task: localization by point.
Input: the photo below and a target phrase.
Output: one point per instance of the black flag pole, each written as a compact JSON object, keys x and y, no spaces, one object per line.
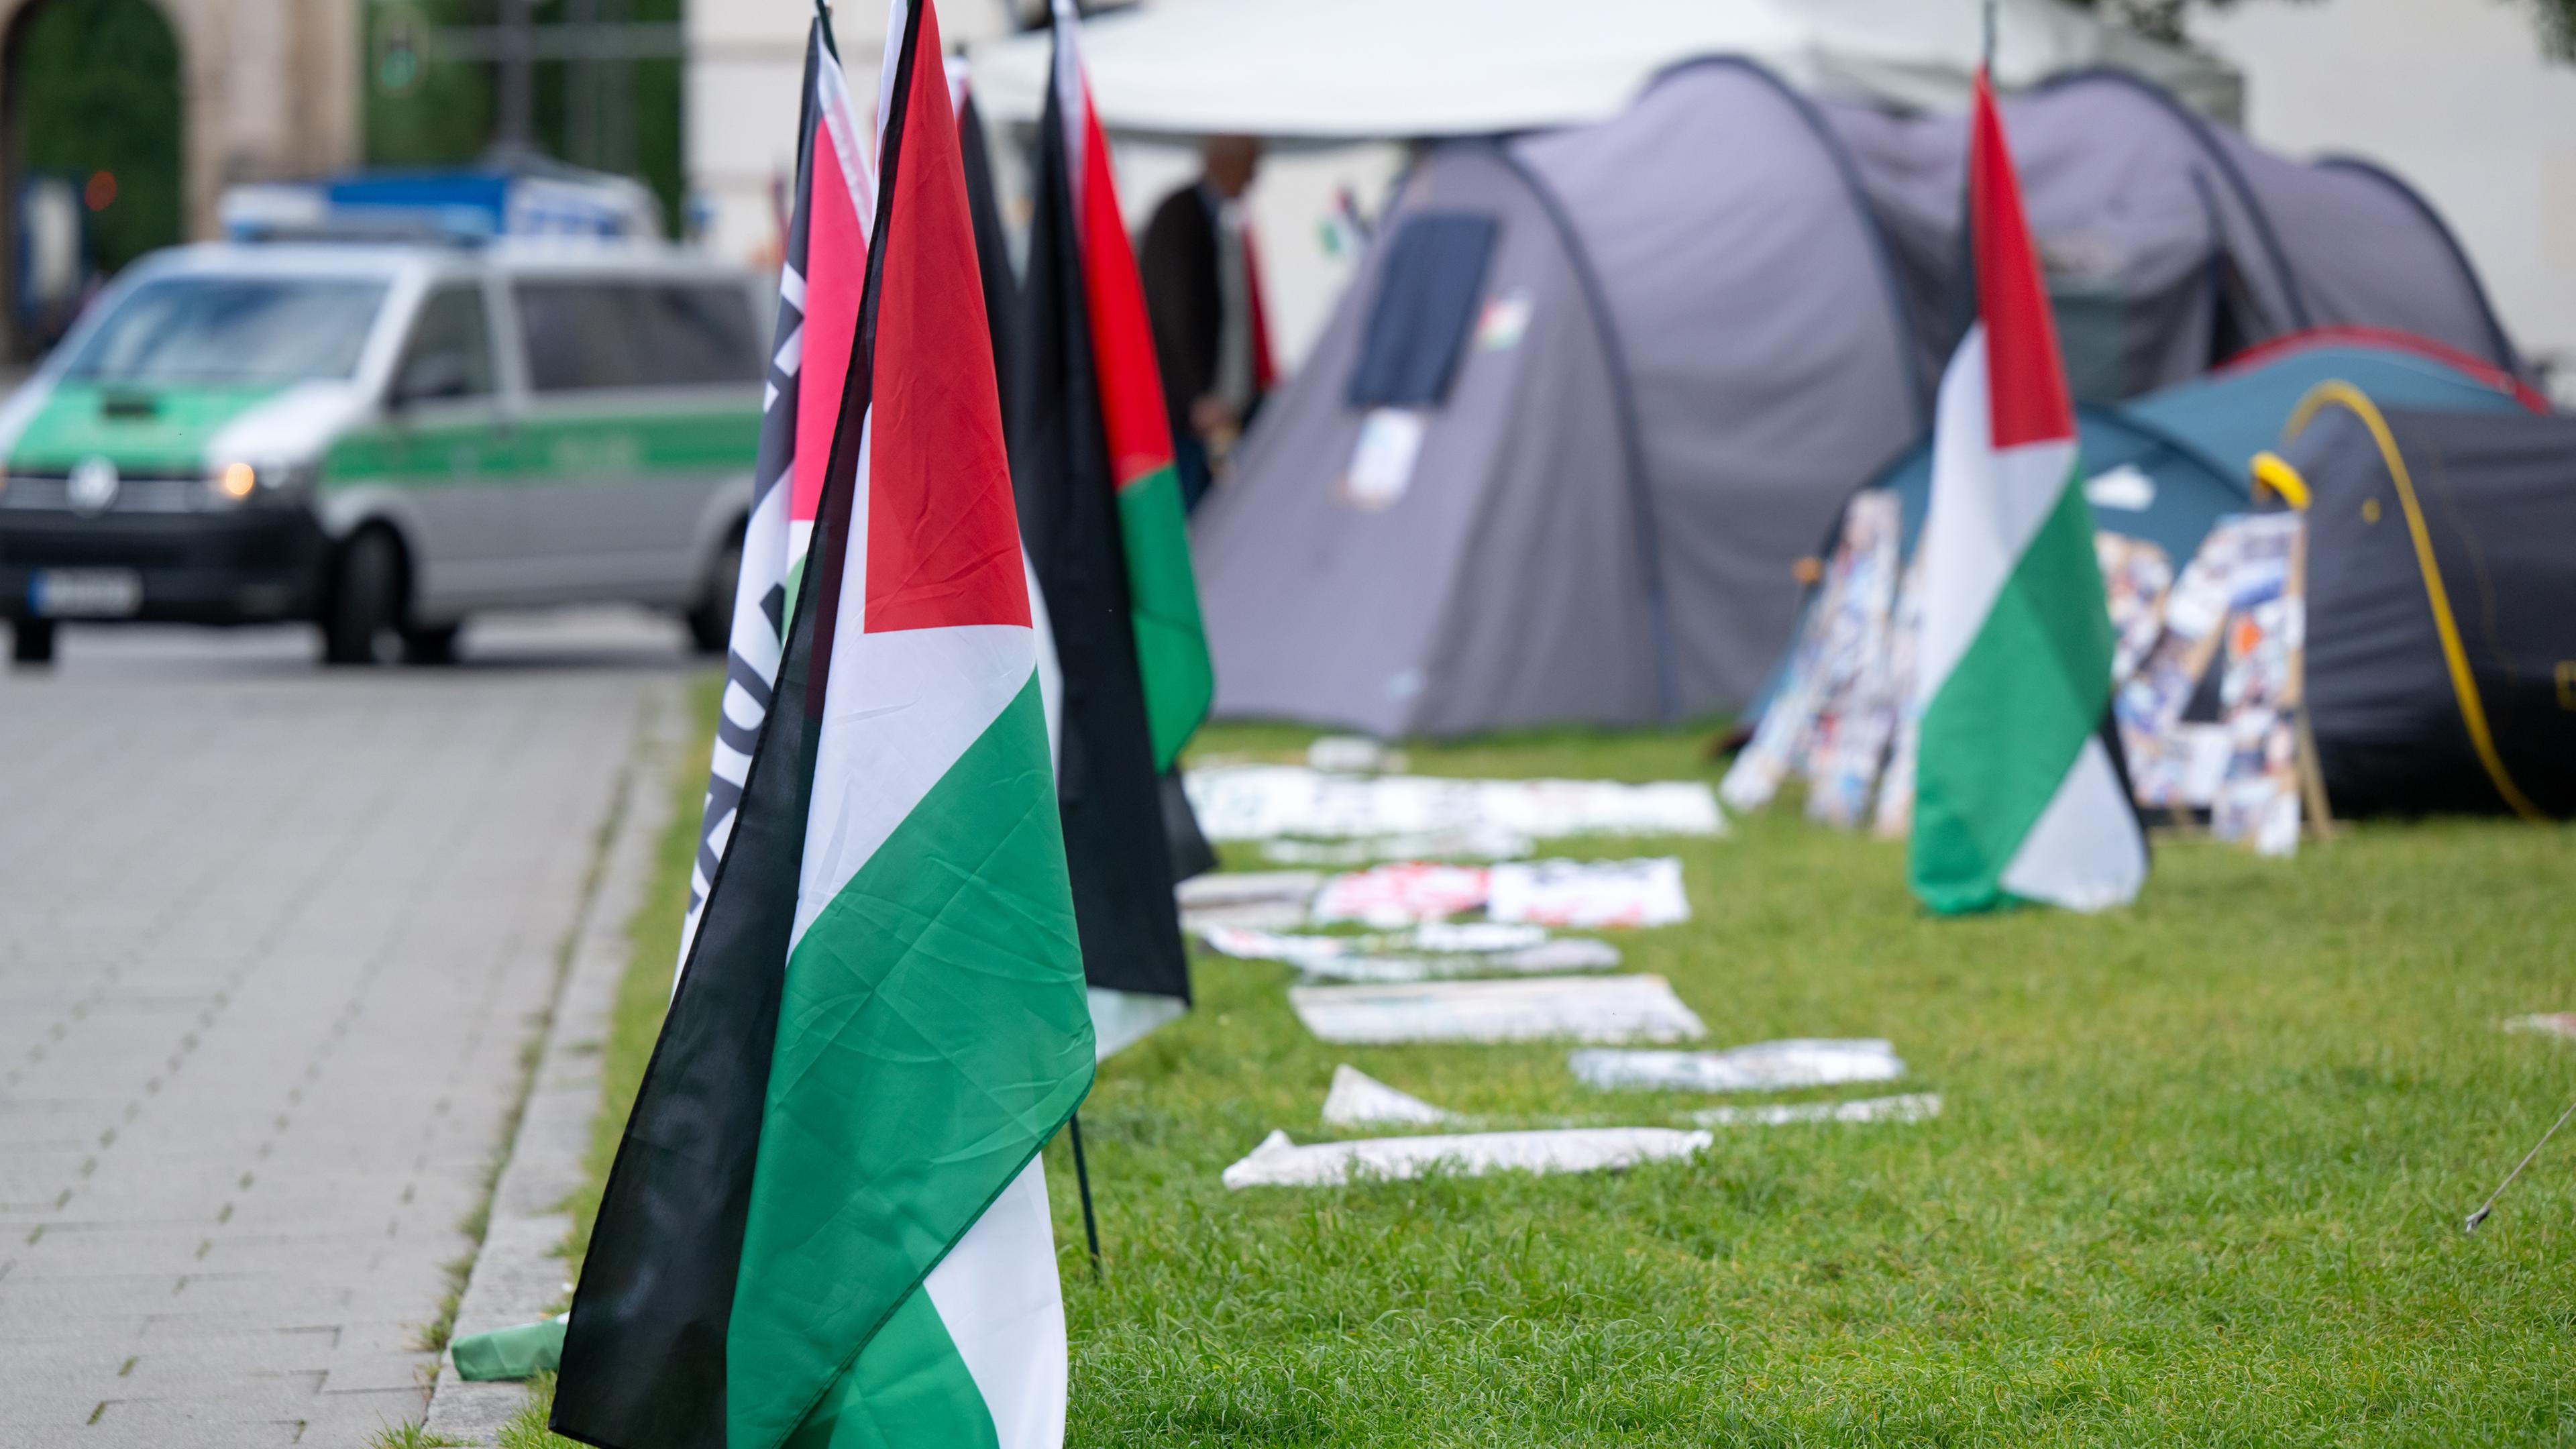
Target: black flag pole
{"x":1082,"y":1182}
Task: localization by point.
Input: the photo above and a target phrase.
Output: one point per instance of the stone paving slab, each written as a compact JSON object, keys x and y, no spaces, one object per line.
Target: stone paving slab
{"x":273,"y":945}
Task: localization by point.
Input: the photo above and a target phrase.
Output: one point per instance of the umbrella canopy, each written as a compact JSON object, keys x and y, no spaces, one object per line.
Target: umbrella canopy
{"x":1351,"y":70}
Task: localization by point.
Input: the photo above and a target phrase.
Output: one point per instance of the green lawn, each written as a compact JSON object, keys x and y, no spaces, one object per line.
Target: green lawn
{"x":2199,"y":1181}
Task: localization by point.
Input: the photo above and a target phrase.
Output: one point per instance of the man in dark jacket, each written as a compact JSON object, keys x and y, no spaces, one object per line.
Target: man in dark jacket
{"x":1203,"y":291}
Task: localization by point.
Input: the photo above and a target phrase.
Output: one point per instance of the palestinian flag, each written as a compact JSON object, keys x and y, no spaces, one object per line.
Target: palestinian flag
{"x":1100,"y":509}
{"x":2019,"y":789}
{"x":825,"y":265}
{"x":1171,"y":645}
{"x":827,"y":1223}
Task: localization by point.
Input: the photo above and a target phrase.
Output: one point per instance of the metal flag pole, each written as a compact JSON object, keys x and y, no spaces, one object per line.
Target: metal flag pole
{"x":1082,"y":1180}
{"x":2484,"y":1208}
{"x":1986,"y":56}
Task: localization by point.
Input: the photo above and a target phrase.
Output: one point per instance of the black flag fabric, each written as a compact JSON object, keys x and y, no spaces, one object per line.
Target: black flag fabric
{"x":1109,"y":791}
{"x":992,"y":248}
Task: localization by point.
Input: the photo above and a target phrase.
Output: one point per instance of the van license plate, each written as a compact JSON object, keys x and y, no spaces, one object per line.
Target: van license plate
{"x":85,"y":593}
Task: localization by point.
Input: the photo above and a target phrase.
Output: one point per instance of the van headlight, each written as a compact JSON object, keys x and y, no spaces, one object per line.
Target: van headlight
{"x":240,"y":481}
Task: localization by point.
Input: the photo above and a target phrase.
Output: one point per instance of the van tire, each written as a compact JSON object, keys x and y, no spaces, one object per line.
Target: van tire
{"x":31,"y":641}
{"x":711,"y":621}
{"x":431,"y":646}
{"x":362,"y":624}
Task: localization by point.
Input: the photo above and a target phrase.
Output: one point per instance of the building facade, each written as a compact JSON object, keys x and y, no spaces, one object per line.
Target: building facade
{"x":2461,"y":99}
{"x":262,"y":89}
{"x":744,"y":75}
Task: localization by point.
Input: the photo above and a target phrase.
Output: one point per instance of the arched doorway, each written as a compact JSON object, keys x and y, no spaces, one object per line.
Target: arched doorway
{"x":91,"y":155}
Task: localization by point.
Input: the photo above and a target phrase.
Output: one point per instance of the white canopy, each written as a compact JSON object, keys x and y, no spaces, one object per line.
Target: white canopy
{"x":1350,"y":70}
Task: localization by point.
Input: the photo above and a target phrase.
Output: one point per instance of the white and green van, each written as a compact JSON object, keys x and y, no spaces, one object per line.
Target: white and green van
{"x":384,"y":438}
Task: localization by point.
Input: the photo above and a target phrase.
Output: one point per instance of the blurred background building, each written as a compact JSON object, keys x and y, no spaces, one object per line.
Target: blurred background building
{"x":2467,"y":99}
{"x":121,"y":121}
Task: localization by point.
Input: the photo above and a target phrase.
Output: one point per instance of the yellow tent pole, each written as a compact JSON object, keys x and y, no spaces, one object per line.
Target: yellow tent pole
{"x":2464,"y":685}
{"x":2273,"y":471}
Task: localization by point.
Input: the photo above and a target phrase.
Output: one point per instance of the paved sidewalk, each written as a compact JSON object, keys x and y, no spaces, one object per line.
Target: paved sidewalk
{"x":518,"y":1279}
{"x":273,"y":946}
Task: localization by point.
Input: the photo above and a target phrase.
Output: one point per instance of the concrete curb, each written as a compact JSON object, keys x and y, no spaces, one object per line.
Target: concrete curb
{"x":517,"y":1277}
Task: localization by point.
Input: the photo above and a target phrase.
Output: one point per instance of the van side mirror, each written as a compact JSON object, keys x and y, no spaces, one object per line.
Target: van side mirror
{"x":429,"y":377}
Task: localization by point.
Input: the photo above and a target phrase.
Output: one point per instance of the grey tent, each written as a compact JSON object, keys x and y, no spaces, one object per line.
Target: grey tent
{"x":2170,"y":242}
{"x":1598,"y":391}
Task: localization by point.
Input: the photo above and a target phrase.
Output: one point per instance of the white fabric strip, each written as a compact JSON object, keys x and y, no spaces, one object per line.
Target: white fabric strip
{"x":765,"y":560}
{"x":893,"y":52}
{"x":998,"y":1295}
{"x":1072,"y":103}
{"x":2084,"y":853}
{"x":850,"y":146}
{"x":1120,"y":1019}
{"x":902,"y":707}
{"x":1050,"y":672}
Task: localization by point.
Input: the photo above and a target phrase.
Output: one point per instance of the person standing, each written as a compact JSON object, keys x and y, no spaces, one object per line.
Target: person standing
{"x":1203,"y":294}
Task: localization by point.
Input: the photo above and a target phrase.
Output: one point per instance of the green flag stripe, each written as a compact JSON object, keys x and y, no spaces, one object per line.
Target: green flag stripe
{"x":1163,"y":602}
{"x":932,"y":1035}
{"x":908,"y":1387}
{"x":2007,"y":723}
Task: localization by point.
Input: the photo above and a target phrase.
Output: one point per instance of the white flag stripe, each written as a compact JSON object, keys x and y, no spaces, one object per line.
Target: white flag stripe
{"x":893,"y":53}
{"x":2084,"y":853}
{"x":999,"y":1298}
{"x":899,"y":711}
{"x":1986,"y":506}
{"x":853,"y":147}
{"x":1069,"y":99}
{"x":1050,"y":672}
{"x":1120,"y":1019}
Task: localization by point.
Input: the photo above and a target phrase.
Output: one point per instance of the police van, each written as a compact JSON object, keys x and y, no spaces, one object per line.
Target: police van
{"x":384,"y":437}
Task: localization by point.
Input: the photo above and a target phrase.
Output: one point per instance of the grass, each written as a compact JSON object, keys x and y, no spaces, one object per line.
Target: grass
{"x":2199,"y":1180}
{"x":412,"y":1436}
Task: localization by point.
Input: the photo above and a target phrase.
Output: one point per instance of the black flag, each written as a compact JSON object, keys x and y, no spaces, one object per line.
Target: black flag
{"x":1111,"y":796}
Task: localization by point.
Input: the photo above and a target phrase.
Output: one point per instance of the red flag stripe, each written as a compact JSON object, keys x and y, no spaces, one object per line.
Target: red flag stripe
{"x":1122,"y":341}
{"x":943,"y":541}
{"x":1265,"y":373}
{"x":836,"y":272}
{"x":2026,"y":384}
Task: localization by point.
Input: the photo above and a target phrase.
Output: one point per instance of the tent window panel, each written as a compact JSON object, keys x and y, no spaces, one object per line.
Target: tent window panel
{"x":1425,"y":307}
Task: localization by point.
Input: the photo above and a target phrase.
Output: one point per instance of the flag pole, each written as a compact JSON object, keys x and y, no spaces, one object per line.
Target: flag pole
{"x":1986,"y":56}
{"x":1082,"y":1181}
{"x":2488,"y":1206}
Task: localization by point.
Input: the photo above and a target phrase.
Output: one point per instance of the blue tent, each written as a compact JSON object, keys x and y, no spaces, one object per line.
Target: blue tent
{"x":2166,"y":466}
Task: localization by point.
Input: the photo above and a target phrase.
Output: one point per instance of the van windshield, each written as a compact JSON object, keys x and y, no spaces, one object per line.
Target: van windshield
{"x":235,"y":330}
